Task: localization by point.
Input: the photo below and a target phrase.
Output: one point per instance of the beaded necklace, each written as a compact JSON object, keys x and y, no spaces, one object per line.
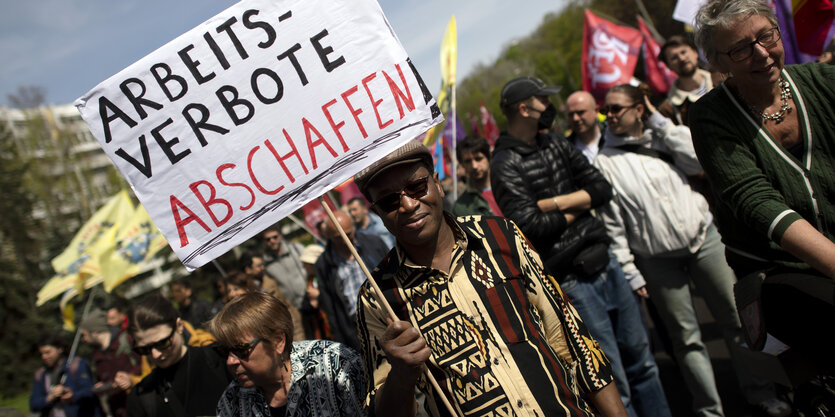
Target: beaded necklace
{"x":785,"y":94}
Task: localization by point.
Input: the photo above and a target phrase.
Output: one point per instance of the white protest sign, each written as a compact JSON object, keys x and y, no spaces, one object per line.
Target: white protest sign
{"x":245,"y":118}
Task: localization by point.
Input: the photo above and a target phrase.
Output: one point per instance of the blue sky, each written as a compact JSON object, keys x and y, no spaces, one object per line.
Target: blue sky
{"x":69,"y":46}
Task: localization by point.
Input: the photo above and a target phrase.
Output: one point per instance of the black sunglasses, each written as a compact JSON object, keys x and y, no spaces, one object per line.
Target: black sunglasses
{"x":415,"y":190}
{"x":615,"y":109}
{"x":159,"y":345}
{"x":241,"y":350}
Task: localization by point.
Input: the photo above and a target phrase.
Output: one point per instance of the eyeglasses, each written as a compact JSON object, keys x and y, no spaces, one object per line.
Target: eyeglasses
{"x":415,"y":190}
{"x":159,"y":345}
{"x":766,"y":40}
{"x":615,"y":109}
{"x":241,"y":350}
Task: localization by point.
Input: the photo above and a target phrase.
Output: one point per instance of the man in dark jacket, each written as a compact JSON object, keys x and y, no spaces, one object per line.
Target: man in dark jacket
{"x":61,"y":388}
{"x":340,"y":276}
{"x":113,"y":360}
{"x":548,"y":188}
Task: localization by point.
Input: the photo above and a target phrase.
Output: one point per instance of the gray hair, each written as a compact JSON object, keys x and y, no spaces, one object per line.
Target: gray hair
{"x":720,"y":14}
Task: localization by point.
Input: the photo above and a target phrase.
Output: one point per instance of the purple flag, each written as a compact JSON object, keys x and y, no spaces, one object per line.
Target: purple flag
{"x":783,"y":10}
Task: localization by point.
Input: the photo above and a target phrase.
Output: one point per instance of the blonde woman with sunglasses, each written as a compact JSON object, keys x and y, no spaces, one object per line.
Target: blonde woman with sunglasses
{"x":275,"y":376}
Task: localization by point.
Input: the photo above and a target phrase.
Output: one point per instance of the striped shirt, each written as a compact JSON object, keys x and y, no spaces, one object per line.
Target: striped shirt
{"x":504,"y":340}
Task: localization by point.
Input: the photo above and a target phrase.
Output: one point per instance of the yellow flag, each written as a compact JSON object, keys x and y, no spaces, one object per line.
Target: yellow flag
{"x":68,"y":311}
{"x":57,"y":285}
{"x":449,"y":53}
{"x":93,"y":253}
{"x":136,"y":243}
{"x":119,"y":207}
{"x":435,"y":131}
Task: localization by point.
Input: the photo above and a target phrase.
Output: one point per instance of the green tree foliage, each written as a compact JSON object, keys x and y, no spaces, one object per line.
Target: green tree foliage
{"x":553,"y":52}
{"x":19,"y":272}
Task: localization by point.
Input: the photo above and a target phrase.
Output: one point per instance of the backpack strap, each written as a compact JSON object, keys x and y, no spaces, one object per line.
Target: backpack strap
{"x":647,"y":152}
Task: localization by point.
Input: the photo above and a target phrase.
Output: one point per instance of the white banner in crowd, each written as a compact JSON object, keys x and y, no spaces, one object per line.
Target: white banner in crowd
{"x":685,"y":11}
{"x":245,"y":118}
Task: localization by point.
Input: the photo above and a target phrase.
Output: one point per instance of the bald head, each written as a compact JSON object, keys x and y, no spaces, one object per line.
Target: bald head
{"x":581,"y":98}
{"x":344,"y":220}
{"x":581,"y":110}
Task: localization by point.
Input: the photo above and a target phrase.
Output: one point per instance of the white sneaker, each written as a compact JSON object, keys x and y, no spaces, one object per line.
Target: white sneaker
{"x":775,"y":407}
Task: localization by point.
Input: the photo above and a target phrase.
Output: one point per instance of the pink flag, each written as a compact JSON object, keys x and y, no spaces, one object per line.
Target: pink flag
{"x":314,"y":213}
{"x":610,"y":54}
{"x":491,"y":130}
{"x":659,"y":77}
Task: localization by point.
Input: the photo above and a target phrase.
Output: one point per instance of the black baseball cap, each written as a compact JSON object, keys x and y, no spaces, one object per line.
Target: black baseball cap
{"x":521,"y":88}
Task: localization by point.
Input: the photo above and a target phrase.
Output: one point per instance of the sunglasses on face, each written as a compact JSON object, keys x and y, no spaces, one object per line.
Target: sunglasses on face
{"x":415,"y":190}
{"x":240,"y":351}
{"x":615,"y":109}
{"x":159,"y":345}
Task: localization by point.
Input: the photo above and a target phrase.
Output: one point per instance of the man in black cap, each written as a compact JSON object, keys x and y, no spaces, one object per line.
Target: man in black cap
{"x":548,"y":188}
{"x":474,"y":306}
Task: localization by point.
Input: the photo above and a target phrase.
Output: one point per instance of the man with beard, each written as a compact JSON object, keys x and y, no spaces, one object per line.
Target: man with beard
{"x":680,"y":55}
{"x":252,"y":264}
{"x":281,"y":260}
{"x":473,"y":154}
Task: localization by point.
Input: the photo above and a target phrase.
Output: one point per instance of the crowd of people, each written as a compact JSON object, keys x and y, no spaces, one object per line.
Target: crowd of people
{"x":525,"y":296}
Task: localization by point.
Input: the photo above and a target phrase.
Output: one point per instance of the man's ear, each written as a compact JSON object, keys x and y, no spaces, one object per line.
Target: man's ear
{"x":180,"y":325}
{"x":522,"y":108}
{"x":438,"y":184}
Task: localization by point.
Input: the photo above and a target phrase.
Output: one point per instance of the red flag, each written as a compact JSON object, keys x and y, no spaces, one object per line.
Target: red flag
{"x":347,"y":191}
{"x":314,"y":213}
{"x":610,"y":54}
{"x":491,"y":129}
{"x":474,"y":124}
{"x":659,"y":77}
{"x":812,"y":22}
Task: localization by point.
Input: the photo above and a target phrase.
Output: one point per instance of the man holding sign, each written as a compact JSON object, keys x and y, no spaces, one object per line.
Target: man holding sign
{"x":474,"y":306}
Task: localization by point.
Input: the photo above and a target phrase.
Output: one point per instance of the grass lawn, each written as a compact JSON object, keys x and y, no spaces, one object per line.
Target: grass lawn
{"x":21,"y":402}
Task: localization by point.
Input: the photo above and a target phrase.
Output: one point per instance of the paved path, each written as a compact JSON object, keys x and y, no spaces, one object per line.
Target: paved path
{"x":678,"y":396}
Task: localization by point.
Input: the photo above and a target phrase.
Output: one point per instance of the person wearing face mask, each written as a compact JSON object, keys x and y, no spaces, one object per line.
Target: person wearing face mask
{"x":548,"y":188}
{"x":662,"y":226}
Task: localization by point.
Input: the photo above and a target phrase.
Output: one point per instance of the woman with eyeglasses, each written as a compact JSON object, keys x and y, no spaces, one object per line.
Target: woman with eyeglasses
{"x":275,"y":376}
{"x":186,"y":380}
{"x":660,"y":225}
{"x":766,"y":139}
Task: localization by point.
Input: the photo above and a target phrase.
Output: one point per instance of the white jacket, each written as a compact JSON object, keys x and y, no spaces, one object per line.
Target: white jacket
{"x":653,"y":209}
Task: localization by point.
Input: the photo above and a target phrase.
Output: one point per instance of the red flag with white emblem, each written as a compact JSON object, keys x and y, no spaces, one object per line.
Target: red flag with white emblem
{"x":610,"y":54}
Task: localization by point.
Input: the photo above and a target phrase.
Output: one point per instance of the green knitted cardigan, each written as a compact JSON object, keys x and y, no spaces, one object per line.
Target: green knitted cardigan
{"x":761,"y":188}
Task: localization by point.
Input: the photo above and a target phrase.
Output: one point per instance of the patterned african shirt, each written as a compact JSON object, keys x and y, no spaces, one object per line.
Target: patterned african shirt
{"x":326,"y":380}
{"x":504,"y":340}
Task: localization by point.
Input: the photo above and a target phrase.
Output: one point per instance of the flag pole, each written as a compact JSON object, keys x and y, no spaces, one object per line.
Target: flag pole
{"x":77,"y":338}
{"x":454,"y":156}
{"x":219,"y":268}
{"x":382,"y":300}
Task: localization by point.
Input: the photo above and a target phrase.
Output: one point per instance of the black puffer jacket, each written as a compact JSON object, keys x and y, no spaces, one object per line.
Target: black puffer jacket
{"x":521,"y":174}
